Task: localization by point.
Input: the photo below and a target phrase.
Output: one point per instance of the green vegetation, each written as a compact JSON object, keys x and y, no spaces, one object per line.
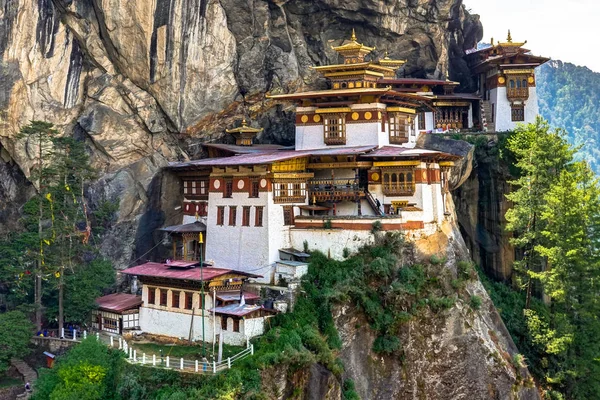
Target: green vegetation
{"x":52,"y":267}
{"x":374,"y":280}
{"x":89,"y":371}
{"x":179,"y":351}
{"x":555,"y":220}
{"x":569,"y":98}
{"x":15,"y":334}
{"x":7,"y":381}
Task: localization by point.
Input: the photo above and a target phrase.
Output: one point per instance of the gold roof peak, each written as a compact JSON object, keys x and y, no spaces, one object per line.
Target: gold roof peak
{"x":509,"y":42}
{"x":352,"y":49}
{"x":244,"y":128}
{"x":509,"y":37}
{"x":353,"y":37}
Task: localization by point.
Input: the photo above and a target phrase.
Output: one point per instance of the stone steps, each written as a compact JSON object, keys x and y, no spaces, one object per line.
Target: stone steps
{"x":29,"y":374}
{"x":486,"y":116}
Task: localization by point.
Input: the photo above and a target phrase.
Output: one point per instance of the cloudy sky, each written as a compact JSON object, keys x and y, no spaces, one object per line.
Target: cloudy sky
{"x":563,"y":30}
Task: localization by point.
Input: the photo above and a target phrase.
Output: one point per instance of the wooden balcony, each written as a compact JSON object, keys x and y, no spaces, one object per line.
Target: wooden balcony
{"x":335,"y":140}
{"x":398,"y":139}
{"x":399,"y":188}
{"x":289,"y":199}
{"x":517,"y":93}
{"x":326,"y":190}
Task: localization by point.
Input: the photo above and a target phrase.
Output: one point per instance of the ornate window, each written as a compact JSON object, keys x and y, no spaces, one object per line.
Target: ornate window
{"x":289,"y":191}
{"x":258,"y":215}
{"x":195,"y":188}
{"x":189,"y":300}
{"x":151,"y":295}
{"x":175,"y":299}
{"x":398,"y":182}
{"x":246,"y":216}
{"x":228,"y":192}
{"x":335,"y":128}
{"x":288,"y":215}
{"x":517,"y":112}
{"x":254,"y":188}
{"x":220,"y":215}
{"x":422,"y":121}
{"x":517,"y":87}
{"x":232,"y":215}
{"x":399,"y":127}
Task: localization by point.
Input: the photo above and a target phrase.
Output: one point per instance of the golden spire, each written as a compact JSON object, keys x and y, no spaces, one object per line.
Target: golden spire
{"x":509,"y":37}
{"x":492,"y":41}
{"x":385,"y":55}
{"x":353,"y":37}
{"x":244,"y":134}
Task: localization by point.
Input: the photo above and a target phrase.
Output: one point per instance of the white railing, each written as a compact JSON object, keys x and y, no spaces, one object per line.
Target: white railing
{"x":178,"y":363}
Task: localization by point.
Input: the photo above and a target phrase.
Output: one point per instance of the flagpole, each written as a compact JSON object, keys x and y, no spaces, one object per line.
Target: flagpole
{"x":202,"y":303}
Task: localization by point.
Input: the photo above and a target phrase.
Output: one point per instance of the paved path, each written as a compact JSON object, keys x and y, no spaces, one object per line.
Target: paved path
{"x":29,"y":375}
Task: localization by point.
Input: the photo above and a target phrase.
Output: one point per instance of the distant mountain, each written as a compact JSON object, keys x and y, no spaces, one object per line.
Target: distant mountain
{"x":569,"y":98}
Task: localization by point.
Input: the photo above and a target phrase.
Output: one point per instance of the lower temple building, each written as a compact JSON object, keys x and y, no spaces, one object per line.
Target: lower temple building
{"x":184,"y":300}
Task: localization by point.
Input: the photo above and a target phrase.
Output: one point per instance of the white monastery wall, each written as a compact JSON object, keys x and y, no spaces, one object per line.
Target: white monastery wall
{"x":175,"y":324}
{"x":244,"y":248}
{"x":331,"y":242}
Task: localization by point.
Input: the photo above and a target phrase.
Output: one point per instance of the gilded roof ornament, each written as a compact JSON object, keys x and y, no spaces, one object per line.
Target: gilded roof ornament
{"x":509,"y":37}
{"x":244,"y":128}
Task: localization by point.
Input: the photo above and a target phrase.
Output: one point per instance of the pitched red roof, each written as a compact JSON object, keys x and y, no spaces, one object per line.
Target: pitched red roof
{"x":160,"y":270}
{"x":118,"y":302}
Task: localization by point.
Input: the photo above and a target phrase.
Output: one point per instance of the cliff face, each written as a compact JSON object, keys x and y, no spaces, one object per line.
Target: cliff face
{"x":480,"y":208}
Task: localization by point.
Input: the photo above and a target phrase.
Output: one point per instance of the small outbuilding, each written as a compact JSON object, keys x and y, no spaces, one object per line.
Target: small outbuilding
{"x":117,"y":312}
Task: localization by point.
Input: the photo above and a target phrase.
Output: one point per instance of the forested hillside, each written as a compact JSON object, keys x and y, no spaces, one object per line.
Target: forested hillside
{"x":569,"y":98}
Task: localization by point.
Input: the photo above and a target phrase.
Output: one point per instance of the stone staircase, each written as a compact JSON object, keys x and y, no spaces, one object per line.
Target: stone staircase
{"x":29,"y":375}
{"x":486,"y":117}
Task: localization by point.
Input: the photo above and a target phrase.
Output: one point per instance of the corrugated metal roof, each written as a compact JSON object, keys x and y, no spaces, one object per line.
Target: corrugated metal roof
{"x":255,"y":148}
{"x":160,"y":270}
{"x":194,"y":227}
{"x":416,"y":81}
{"x":391,"y":151}
{"x":119,"y":302}
{"x":230,"y":296}
{"x":269,"y":157}
{"x":236,"y":309}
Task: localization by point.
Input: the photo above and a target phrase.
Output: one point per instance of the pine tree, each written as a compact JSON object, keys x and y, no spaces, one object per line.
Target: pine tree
{"x":541,"y":154}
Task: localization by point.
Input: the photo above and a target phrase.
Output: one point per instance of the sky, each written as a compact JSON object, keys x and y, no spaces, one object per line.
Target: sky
{"x":562,"y":30}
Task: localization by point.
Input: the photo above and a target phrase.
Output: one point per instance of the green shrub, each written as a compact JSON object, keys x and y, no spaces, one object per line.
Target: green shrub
{"x":386,"y":344}
{"x":326,"y":224}
{"x":475,"y":302}
{"x":465,"y":270}
{"x":376,"y":227}
{"x":346,"y":252}
{"x":437,"y":304}
{"x":435,"y":260}
{"x":349,"y":391}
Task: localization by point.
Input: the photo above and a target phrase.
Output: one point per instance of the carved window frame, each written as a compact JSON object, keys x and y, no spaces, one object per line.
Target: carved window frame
{"x":398,"y":181}
{"x":334,"y":128}
{"x":399,"y":127}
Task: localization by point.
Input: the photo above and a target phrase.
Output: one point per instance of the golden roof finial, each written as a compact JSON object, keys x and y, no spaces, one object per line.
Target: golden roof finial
{"x":509,"y":37}
{"x":244,"y":123}
{"x":385,"y":55}
{"x":492,"y":41}
{"x":353,"y":37}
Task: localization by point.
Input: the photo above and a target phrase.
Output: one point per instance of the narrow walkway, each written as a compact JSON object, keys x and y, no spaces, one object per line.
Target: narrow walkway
{"x":29,"y":375}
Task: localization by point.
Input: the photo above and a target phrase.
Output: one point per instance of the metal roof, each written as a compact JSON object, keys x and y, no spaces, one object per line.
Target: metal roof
{"x":236,"y":309}
{"x":160,"y":270}
{"x":269,"y":157}
{"x":416,"y":81}
{"x":255,"y":148}
{"x":391,"y":151}
{"x":235,"y":295}
{"x":194,"y":227}
{"x":118,"y":302}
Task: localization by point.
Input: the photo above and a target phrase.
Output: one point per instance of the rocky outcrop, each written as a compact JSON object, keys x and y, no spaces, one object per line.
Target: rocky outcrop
{"x":480,"y":207}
